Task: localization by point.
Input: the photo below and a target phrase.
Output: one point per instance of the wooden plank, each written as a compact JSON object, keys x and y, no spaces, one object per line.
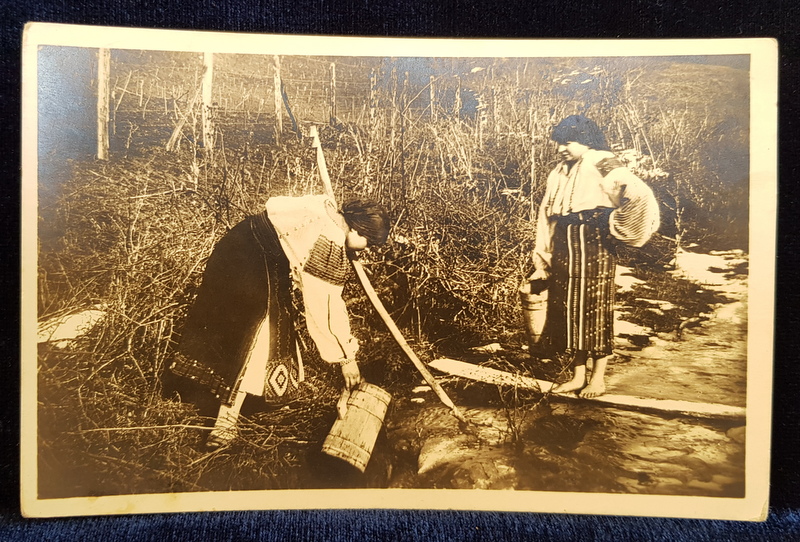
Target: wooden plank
{"x":503,"y":378}
{"x":489,"y":375}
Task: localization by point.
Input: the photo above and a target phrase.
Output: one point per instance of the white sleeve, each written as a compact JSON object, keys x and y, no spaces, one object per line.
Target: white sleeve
{"x":637,"y":216}
{"x":327,"y":319}
{"x":545,"y":228}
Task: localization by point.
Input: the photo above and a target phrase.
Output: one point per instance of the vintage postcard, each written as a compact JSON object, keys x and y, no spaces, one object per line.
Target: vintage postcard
{"x":277,"y":272}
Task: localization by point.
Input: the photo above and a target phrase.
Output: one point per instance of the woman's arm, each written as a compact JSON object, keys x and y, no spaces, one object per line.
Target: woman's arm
{"x":327,"y":320}
{"x":545,"y":228}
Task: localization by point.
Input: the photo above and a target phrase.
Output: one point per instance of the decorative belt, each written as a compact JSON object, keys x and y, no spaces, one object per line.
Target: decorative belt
{"x":586,"y":217}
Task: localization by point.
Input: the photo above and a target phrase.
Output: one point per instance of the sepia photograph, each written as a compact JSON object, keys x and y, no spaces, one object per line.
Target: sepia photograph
{"x":293,"y":272}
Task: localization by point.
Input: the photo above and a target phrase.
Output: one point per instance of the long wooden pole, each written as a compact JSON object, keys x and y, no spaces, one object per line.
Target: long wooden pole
{"x":376,"y":302}
{"x":321,"y":165}
{"x":398,"y":336}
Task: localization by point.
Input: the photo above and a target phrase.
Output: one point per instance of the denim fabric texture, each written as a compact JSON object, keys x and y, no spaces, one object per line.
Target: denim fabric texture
{"x":462,"y":18}
{"x":390,"y":526}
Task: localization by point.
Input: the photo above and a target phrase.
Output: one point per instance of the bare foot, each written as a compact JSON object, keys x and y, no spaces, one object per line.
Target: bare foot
{"x":567,"y":387}
{"x":578,"y":381}
{"x":593,"y":390}
{"x":597,"y":384}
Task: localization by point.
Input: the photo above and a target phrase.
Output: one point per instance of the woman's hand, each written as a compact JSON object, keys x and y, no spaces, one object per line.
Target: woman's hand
{"x":355,"y":242}
{"x":534,"y":284}
{"x":351,"y":374}
{"x":539,"y":274}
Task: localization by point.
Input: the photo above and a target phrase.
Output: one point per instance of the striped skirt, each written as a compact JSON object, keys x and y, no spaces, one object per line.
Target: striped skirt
{"x":580,"y":310}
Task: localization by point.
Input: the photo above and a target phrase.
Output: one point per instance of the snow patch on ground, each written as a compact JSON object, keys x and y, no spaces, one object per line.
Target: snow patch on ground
{"x":623,"y":328}
{"x":707,"y":269}
{"x":625,"y":279}
{"x":62,"y":330}
{"x":488,"y":348}
{"x":711,"y":271}
{"x":662,"y":305}
{"x":729,"y":312}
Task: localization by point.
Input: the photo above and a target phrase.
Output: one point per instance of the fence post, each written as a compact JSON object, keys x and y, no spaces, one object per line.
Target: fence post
{"x":395,"y":102}
{"x":457,"y":104}
{"x":373,"y":99}
{"x":278,"y":99}
{"x":405,"y":107}
{"x":432,"y":99}
{"x":532,"y":211}
{"x":207,"y":110}
{"x":495,"y":123}
{"x":481,"y":116}
{"x":373,"y":105}
{"x":332,"y":114}
{"x":103,"y":96}
{"x":493,"y":89}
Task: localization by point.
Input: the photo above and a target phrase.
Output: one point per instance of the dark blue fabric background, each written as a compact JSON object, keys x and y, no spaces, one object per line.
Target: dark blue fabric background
{"x":487,"y":18}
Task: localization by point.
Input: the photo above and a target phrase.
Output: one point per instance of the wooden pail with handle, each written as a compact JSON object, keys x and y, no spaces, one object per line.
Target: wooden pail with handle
{"x":533,"y":297}
{"x":353,"y":437}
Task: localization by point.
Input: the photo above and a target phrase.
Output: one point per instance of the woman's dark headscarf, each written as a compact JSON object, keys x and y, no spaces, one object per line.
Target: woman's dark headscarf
{"x":368,"y":218}
{"x":582,"y":130}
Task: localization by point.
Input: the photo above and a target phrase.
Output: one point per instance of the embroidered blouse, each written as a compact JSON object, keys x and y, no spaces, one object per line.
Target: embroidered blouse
{"x":312,"y":234}
{"x":597,"y":180}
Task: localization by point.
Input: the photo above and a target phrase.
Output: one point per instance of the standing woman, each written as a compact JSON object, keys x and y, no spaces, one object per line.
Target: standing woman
{"x":591,"y":203}
{"x":239,"y":337}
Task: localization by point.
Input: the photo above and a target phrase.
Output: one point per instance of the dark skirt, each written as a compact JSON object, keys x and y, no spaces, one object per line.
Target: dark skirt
{"x":580,"y":309}
{"x":247,"y":276}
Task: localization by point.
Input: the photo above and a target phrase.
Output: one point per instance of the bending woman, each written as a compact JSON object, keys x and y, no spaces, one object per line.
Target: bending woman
{"x":591,"y":203}
{"x":239,"y":337}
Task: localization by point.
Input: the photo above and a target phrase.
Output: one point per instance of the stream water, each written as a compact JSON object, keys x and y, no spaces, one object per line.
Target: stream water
{"x":574,"y":445}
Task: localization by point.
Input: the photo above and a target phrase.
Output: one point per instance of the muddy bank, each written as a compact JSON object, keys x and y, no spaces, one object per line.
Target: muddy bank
{"x":561,"y":447}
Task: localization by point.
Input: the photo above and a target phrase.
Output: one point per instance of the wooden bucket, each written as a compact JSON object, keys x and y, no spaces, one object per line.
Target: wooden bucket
{"x":533,"y":298}
{"x":353,"y":437}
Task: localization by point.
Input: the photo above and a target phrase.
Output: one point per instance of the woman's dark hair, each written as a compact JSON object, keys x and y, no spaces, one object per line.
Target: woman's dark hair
{"x":369,"y":218}
{"x":582,"y":130}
